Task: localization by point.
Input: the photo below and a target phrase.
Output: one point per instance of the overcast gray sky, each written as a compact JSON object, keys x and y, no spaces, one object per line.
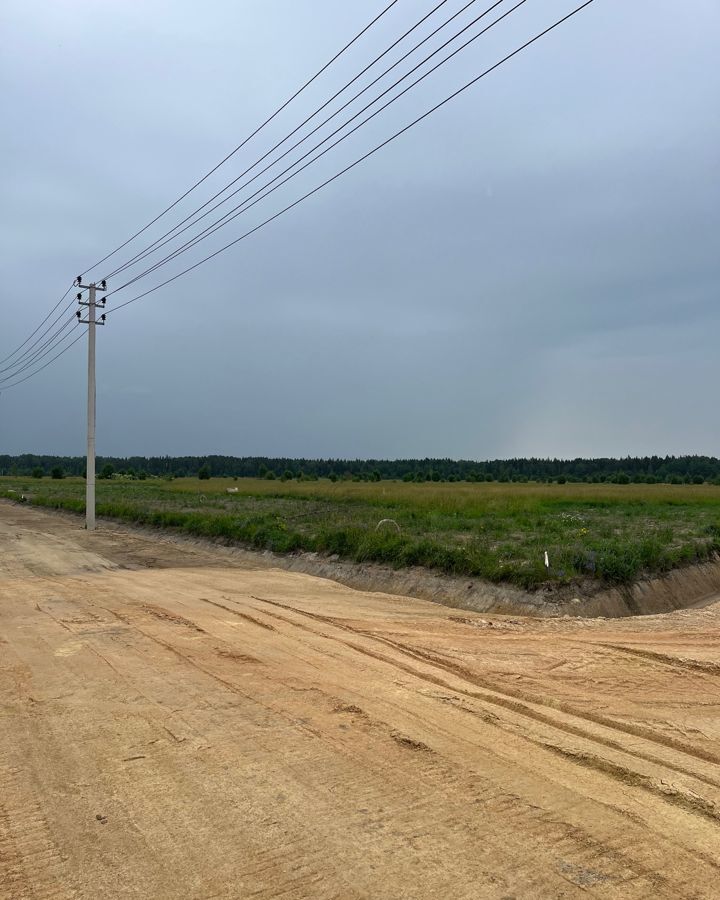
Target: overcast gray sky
{"x":533,"y":270}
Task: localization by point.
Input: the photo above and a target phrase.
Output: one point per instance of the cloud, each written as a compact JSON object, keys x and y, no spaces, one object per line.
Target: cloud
{"x":532,"y":270}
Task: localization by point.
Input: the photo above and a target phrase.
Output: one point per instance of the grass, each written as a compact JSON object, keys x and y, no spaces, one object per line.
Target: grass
{"x":611,"y":533}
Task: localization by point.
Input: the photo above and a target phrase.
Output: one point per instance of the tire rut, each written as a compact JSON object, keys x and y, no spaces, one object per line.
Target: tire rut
{"x":514,"y":701}
{"x":30,"y":863}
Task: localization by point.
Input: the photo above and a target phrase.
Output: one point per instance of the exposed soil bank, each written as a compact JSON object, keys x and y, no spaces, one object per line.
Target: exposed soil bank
{"x":680,"y":589}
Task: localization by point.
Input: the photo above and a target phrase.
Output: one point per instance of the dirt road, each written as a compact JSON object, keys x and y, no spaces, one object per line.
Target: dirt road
{"x":176,"y":726}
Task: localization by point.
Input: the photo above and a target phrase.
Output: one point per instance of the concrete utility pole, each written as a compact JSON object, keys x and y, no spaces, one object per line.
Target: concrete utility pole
{"x":91,"y":322}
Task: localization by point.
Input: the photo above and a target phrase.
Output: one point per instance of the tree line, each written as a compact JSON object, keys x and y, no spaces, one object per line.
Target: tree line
{"x":630,"y":469}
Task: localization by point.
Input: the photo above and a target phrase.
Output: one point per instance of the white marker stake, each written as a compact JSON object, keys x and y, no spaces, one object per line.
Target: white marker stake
{"x":547,"y":560}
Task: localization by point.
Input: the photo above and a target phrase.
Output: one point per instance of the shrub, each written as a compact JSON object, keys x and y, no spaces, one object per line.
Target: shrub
{"x":57,"y":473}
{"x":204,"y":473}
{"x":37,"y":472}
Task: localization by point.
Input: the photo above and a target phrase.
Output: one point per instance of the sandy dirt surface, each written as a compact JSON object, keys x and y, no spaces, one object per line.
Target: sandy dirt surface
{"x":173,"y":725}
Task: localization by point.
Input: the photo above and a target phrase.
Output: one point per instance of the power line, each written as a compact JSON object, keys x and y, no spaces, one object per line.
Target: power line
{"x":233,"y":213}
{"x":207,"y":175}
{"x":40,"y":354}
{"x":52,"y":360}
{"x":32,"y":352}
{"x":142,"y":253}
{"x":47,"y":347}
{"x":290,"y":206}
{"x":248,"y":138}
{"x":147,"y":250}
{"x":361,"y":159}
{"x":10,"y":356}
{"x":29,"y":351}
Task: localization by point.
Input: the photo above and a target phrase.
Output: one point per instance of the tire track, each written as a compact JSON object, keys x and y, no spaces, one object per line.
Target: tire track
{"x":30,"y":863}
{"x":512,"y":700}
{"x":676,"y":662}
{"x":240,"y":615}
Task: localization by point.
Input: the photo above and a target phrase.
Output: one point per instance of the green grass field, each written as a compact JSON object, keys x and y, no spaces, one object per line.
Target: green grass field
{"x":614,"y":533}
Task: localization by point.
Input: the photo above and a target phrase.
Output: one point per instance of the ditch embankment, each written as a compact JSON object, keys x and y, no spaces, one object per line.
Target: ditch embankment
{"x":682,"y":588}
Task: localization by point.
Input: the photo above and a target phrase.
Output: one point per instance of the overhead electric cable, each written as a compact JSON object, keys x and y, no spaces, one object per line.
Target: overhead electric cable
{"x":360,"y":159}
{"x":30,"y":355}
{"x":248,"y":138}
{"x":247,"y":204}
{"x":215,"y":225}
{"x":41,"y":337}
{"x":319,"y":187}
{"x":10,"y":356}
{"x":157,"y":243}
{"x":52,"y":360}
{"x":21,"y":365}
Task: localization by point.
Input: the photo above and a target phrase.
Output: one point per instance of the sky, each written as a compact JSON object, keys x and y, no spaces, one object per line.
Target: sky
{"x":532,"y":270}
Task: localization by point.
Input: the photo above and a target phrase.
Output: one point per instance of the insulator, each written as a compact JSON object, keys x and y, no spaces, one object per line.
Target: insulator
{"x":102,"y":317}
{"x":79,"y":297}
{"x":103,"y":285}
{"x":78,"y":314}
{"x":79,"y":280}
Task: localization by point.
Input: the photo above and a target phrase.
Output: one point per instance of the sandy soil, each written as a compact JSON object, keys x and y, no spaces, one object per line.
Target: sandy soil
{"x":176,"y":725}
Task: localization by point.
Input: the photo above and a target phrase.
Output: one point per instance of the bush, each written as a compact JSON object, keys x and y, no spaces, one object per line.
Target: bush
{"x":107,"y":471}
{"x":37,"y":472}
{"x":57,"y":473}
{"x":204,"y":473}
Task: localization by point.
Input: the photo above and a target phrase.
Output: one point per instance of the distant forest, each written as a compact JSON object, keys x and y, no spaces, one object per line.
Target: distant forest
{"x":631,"y":469}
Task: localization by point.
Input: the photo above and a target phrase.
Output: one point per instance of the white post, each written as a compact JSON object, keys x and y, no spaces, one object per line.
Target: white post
{"x":90,"y":467}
